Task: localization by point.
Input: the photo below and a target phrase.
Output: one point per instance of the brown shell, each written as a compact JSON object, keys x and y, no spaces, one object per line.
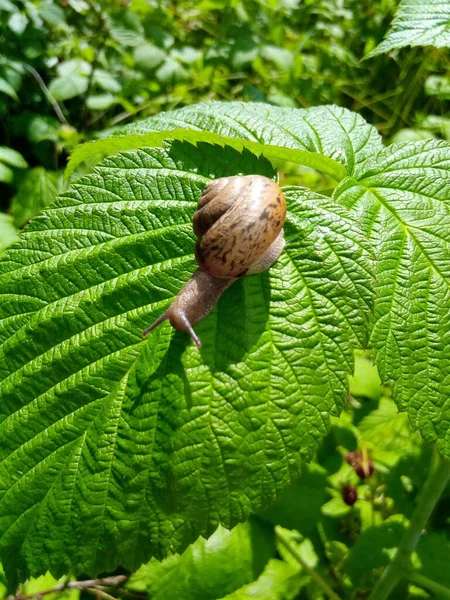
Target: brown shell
{"x":237,"y":221}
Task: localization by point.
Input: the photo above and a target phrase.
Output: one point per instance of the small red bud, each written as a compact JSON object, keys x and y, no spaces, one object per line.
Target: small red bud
{"x":361,"y":462}
{"x":349,"y":494}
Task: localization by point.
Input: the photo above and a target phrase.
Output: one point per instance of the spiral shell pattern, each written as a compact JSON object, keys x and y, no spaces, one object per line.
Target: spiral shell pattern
{"x":237,"y":221}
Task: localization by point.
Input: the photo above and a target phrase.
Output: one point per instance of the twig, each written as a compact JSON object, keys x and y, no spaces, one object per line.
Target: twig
{"x":95,"y":591}
{"x":113,"y":581}
{"x":47,"y":93}
{"x":313,"y":574}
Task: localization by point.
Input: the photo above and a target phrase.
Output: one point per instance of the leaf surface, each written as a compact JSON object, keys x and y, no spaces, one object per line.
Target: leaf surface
{"x":118,"y":449}
{"x":327,"y":138}
{"x":402,"y":202}
{"x":418,"y":23}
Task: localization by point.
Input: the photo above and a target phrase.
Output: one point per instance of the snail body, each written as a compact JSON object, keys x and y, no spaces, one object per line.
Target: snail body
{"x":239,"y":225}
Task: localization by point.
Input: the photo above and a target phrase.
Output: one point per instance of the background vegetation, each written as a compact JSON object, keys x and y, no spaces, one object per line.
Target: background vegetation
{"x":72,"y":71}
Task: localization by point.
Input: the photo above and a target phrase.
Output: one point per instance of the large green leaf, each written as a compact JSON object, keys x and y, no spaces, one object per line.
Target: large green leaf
{"x":115,"y":449}
{"x":327,"y":138}
{"x":403,"y":202}
{"x":209,"y":569}
{"x":418,"y":23}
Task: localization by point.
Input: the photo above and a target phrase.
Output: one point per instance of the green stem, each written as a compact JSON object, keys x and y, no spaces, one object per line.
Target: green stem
{"x":429,"y":584}
{"x":400,"y":566}
{"x":281,"y":537}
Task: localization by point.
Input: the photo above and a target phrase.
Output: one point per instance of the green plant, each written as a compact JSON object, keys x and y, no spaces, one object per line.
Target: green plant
{"x":118,"y":452}
{"x":129,"y":420}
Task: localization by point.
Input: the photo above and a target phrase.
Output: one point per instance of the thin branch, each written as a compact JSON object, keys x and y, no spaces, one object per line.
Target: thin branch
{"x":113,"y":581}
{"x":313,"y":574}
{"x":98,"y":593}
{"x":47,"y":93}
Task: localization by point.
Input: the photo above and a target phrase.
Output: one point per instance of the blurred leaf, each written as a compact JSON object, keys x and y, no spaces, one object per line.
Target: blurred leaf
{"x":37,"y":190}
{"x":7,"y":6}
{"x":7,"y":89}
{"x":101,"y":101}
{"x":336,"y":508}
{"x":281,"y":57}
{"x":12,"y":157}
{"x":186,"y":54}
{"x":278,"y":581}
{"x":365,"y":382}
{"x":373,"y":549}
{"x":410,"y":135}
{"x":39,"y":128}
{"x":209,"y":568}
{"x":64,"y":88}
{"x":433,"y":551}
{"x":435,"y":85}
{"x":18,"y":22}
{"x":171,"y":71}
{"x":125,"y":28}
{"x":303,"y":546}
{"x":8,"y":233}
{"x":300,"y":507}
{"x":148,"y":57}
{"x":52,"y":13}
{"x":6,"y":174}
{"x":73,"y":67}
{"x":387,"y":429}
{"x":106,"y":81}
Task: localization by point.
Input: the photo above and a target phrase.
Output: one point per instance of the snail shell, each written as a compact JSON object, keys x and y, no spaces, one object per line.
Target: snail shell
{"x":239,"y":225}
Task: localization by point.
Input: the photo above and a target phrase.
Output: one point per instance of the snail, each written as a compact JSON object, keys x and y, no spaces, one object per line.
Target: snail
{"x":239,"y":226}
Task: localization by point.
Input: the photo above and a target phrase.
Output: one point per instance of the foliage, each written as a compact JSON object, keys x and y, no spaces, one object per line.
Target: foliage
{"x":418,"y":23}
{"x":172,"y":472}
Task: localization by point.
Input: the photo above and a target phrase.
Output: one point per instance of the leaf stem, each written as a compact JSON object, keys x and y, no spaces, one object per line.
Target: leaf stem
{"x":398,"y":569}
{"x":314,"y":575}
{"x":429,"y":584}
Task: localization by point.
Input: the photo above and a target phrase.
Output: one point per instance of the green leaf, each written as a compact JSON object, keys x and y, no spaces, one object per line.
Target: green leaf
{"x":51,"y":13}
{"x":64,"y":88}
{"x":388,"y":430}
{"x":36,"y":191}
{"x":402,"y":202}
{"x":125,"y":28}
{"x":106,"y":81}
{"x":101,"y":101}
{"x":418,"y":23}
{"x":7,"y":88}
{"x":117,"y":449}
{"x":279,"y":581}
{"x":326,"y":138}
{"x":209,"y":568}
{"x":74,"y":67}
{"x":299,"y":507}
{"x":8,"y":233}
{"x":148,"y":57}
{"x":6,"y":174}
{"x":373,"y":549}
{"x":433,"y":550}
{"x":12,"y":157}
{"x":171,"y":71}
